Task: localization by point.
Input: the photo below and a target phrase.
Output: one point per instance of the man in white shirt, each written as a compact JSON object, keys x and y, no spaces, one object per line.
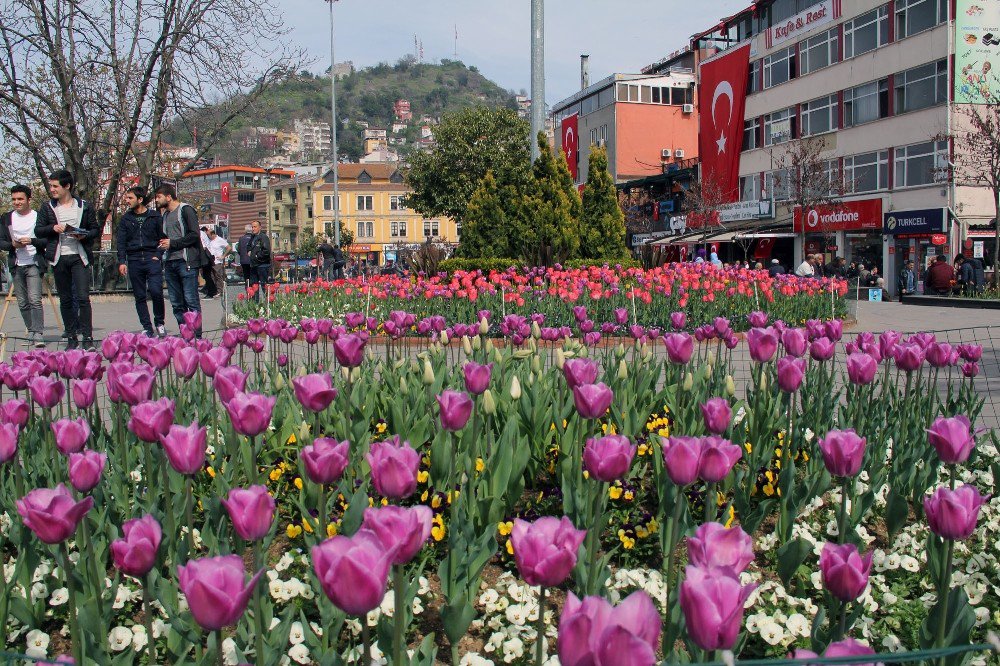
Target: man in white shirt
{"x":17,"y":236}
{"x":219,"y":248}
{"x":806,"y":269}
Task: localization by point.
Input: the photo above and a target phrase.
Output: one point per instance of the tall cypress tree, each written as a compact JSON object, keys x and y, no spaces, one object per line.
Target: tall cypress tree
{"x":602,"y":224}
{"x":553,"y":211}
{"x":485,"y":229}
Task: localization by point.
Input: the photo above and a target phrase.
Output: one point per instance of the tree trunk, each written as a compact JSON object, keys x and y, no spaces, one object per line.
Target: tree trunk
{"x":996,"y":237}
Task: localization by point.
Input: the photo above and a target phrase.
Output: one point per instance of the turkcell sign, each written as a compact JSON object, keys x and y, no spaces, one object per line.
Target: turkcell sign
{"x":920,"y":221}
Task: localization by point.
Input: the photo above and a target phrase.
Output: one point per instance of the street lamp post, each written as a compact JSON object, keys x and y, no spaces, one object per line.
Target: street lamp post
{"x":537,"y":74}
{"x":333,"y":132}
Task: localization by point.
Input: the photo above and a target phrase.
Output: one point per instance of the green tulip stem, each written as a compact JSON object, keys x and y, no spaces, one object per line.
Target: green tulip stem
{"x":943,"y":594}
{"x":258,"y":617}
{"x":322,"y":511}
{"x":74,"y":626}
{"x":594,"y":535}
{"x":85,"y":542}
{"x":842,"y":625}
{"x":399,"y":619}
{"x":710,"y":502}
{"x":219,"y":659}
{"x":540,"y":628}
{"x":189,"y":511}
{"x":842,"y":520}
{"x":147,"y":469}
{"x":17,"y":473}
{"x":366,"y":650}
{"x":168,"y":504}
{"x":147,"y":613}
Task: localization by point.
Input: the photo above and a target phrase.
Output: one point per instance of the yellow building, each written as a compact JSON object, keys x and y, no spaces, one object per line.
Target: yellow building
{"x":372,"y":208}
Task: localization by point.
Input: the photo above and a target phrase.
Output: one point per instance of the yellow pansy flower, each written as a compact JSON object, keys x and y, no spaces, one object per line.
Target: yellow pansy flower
{"x":615,"y":492}
{"x":275,"y":474}
{"x":629,"y":495}
{"x":436,"y":502}
{"x":291,"y":439}
{"x":438,"y":531}
{"x":505,"y":527}
{"x":732,"y":517}
{"x":510,"y":547}
{"x":627,"y":541}
{"x":298,"y":483}
{"x":307,"y":527}
{"x":331,"y":530}
{"x":480,"y":465}
{"x":293,"y":531}
{"x":210,"y":471}
{"x":422,"y":476}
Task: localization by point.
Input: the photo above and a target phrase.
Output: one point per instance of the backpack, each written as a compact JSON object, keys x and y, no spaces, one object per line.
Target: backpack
{"x":259,"y":254}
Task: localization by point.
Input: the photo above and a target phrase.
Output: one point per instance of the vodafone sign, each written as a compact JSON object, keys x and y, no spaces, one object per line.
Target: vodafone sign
{"x":844,"y":216}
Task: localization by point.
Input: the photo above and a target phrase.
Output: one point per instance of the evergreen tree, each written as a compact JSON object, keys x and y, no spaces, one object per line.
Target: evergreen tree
{"x":552,"y":210}
{"x":602,"y":224}
{"x":484,"y":230}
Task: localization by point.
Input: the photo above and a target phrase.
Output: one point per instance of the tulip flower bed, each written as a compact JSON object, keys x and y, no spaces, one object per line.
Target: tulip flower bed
{"x":647,"y":296}
{"x":267,"y":501}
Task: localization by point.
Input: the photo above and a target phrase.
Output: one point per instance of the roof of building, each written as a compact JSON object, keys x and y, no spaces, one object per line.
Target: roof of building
{"x":379,"y":171}
{"x":236,"y":167}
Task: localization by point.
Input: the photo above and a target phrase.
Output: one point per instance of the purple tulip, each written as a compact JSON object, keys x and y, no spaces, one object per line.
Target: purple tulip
{"x":546,"y":550}
{"x":250,"y":413}
{"x":791,"y":371}
{"x":213,"y":359}
{"x":52,"y":513}
{"x":712,"y":603}
{"x":152,"y":419}
{"x":822,"y":349}
{"x":85,"y":469}
{"x":608,"y":458}
{"x":939,"y":354}
{"x":251,"y":510}
{"x":402,"y":530}
{"x":952,"y":438}
{"x":952,"y":514}
{"x":216,"y":590}
{"x":843,"y":452}
{"x":15,"y":411}
{"x":186,"y":361}
{"x":185,"y":447}
{"x":84,"y":393}
{"x":713,"y":546}
{"x":9,"y":433}
{"x":762,"y":343}
{"x":845,"y":572}
{"x":971,"y":353}
{"x":580,"y":371}
{"x":794,"y":341}
{"x":834,"y":329}
{"x":228,"y":381}
{"x":717,"y":458}
{"x":970,"y":369}
{"x":717,"y":414}
{"x":679,"y":346}
{"x":678,"y":320}
{"x":477,"y":377}
{"x":71,"y":434}
{"x":592,"y":632}
{"x":46,"y":391}
{"x":592,"y":400}
{"x":621,"y":316}
{"x":455,"y":409}
{"x":861,"y":368}
{"x":314,"y":392}
{"x":887,"y":343}
{"x":394,"y":465}
{"x":757,"y":319}
{"x":361,"y":559}
{"x":326,"y":459}
{"x":849,"y":647}
{"x":908,"y":357}
{"x":682,"y":458}
{"x":135,"y":553}
{"x":135,"y":385}
{"x":349,"y":350}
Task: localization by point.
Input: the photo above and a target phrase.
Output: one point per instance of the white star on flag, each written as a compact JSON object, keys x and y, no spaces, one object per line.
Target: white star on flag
{"x":721,"y":143}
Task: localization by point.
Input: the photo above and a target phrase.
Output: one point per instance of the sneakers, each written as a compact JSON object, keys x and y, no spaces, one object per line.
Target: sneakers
{"x":35,"y":340}
{"x":149,"y":333}
{"x":72,"y":342}
{"x":89,"y":344}
{"x":161,"y":331}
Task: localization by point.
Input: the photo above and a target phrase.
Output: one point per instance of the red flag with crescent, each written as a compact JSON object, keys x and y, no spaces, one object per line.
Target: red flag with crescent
{"x":721,"y":102}
{"x":571,"y":144}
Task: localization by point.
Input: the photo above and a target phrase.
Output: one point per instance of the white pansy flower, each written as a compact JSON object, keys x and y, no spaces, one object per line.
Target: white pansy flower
{"x":120,"y":639}
{"x":513,"y":649}
{"x":474,"y":659}
{"x":139,"y":637}
{"x":797,"y":625}
{"x":160,"y":628}
{"x":286,"y":561}
{"x":274,"y":588}
{"x":296,"y":634}
{"x":892,"y":643}
{"x":229,"y":652}
{"x":38,"y":591}
{"x":299,"y":654}
{"x":59,"y":597}
{"x":772,"y":632}
{"x":121,"y":596}
{"x":274,"y":624}
{"x":38,"y":643}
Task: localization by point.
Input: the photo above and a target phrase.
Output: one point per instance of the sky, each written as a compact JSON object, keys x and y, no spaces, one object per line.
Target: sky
{"x":621,"y":36}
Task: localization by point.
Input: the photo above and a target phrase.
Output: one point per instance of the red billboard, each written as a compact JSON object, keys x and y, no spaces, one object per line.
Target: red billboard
{"x":721,"y":102}
{"x":865,"y":214}
{"x":571,"y":144}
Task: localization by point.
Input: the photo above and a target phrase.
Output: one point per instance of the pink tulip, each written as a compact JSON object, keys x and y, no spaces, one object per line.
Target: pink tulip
{"x":762,"y":344}
{"x":349,"y":350}
{"x":52,"y":513}
{"x":402,"y":530}
{"x":679,"y":346}
{"x":938,"y":354}
{"x":717,"y":414}
{"x":712,"y":603}
{"x":135,"y":553}
{"x":861,"y":368}
{"x":186,"y":361}
{"x":361,"y":559}
{"x":546,"y":550}
{"x":394,"y":465}
{"x":717,"y":458}
{"x":46,"y":391}
{"x":455,"y":409}
{"x":970,"y":369}
{"x":681,"y":459}
{"x":608,"y":458}
{"x":971,"y":353}
{"x":952,"y":514}
{"x":822,"y":349}
{"x":843,"y":452}
{"x":84,"y":393}
{"x":152,"y":419}
{"x":326,"y":459}
{"x":580,"y":371}
{"x":849,"y":647}
{"x":314,"y":392}
{"x":251,"y":510}
{"x":213,"y":359}
{"x":593,"y":633}
{"x":185,"y":447}
{"x":592,"y":400}
{"x":71,"y":434}
{"x":250,"y":413}
{"x":757,"y":319}
{"x":794,"y":341}
{"x":845,"y":572}
{"x":908,"y":357}
{"x":135,"y":385}
{"x":15,"y":411}
{"x":85,"y":469}
{"x":952,"y":439}
{"x":216,"y":590}
{"x":791,"y":371}
{"x":678,"y":320}
{"x":713,"y":546}
{"x":228,"y":381}
{"x":9,"y":433}
{"x":477,"y":377}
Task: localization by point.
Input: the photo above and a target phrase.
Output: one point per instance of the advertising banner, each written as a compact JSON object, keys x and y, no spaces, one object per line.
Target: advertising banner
{"x":819,"y":14}
{"x":921,"y":221}
{"x":865,"y":214}
{"x":977,"y":51}
{"x":721,"y":102}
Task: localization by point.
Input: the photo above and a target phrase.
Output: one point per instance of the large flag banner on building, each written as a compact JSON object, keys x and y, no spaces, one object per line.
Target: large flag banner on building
{"x":721,"y":100}
{"x":977,"y":58}
{"x":571,"y":143}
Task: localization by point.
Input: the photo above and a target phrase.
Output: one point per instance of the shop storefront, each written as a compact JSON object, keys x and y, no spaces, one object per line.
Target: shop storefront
{"x":919,"y":235}
{"x":849,"y":229}
{"x":364,"y":255}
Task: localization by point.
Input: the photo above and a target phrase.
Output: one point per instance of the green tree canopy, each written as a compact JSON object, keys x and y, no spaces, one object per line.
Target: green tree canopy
{"x":553,"y":210}
{"x":602,"y":224}
{"x":484,"y":230}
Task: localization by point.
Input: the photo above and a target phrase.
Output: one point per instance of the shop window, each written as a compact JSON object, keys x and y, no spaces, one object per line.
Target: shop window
{"x":819,"y":115}
{"x":921,"y":164}
{"x":866,"y":32}
{"x":922,"y":87}
{"x":866,"y":103}
{"x":913,"y":16}
{"x":778,"y":184}
{"x":818,"y":52}
{"x":868,"y":172}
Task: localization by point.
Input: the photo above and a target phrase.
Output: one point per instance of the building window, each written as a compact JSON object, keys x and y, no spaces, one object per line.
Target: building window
{"x":366,"y":229}
{"x":396,"y":177}
{"x":778,"y":184}
{"x":751,"y":134}
{"x":818,"y":52}
{"x":328,"y":202}
{"x":753,"y":77}
{"x":397,"y":229}
{"x":750,"y":187}
{"x":277,"y":195}
{"x":628,"y":92}
{"x":921,"y":87}
{"x":679,"y":96}
{"x":277,"y":215}
{"x":396,"y":202}
{"x":868,"y":172}
{"x":246,"y":196}
{"x":309,"y":212}
{"x":364,"y":178}
{"x":779,"y":67}
{"x":866,"y":32}
{"x":921,"y":164}
{"x":431,"y":229}
{"x":866,"y":103}
{"x":779,"y":127}
{"x":913,"y":16}
{"x":819,"y":115}
{"x":366,"y":202}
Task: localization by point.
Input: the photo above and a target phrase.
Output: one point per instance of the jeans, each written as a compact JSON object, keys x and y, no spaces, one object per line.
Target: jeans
{"x":182,"y":287}
{"x":260,"y":275}
{"x":28,"y":290}
{"x":72,"y":278}
{"x":146,"y":275}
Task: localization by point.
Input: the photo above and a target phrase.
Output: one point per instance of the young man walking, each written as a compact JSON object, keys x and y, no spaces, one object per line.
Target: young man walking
{"x":27,"y":266}
{"x":139,"y":257}
{"x":181,"y":245}
{"x":260,"y":259}
{"x":70,"y":226}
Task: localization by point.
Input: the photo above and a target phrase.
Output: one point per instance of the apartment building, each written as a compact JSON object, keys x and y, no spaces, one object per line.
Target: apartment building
{"x":314,"y":137}
{"x":372,"y":205}
{"x":230,"y":197}
{"x":290,"y":208}
{"x":873,"y":81}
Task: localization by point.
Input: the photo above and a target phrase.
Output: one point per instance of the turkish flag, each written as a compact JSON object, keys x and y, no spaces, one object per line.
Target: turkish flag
{"x":224,"y":192}
{"x":571,"y":144}
{"x":721,"y":101}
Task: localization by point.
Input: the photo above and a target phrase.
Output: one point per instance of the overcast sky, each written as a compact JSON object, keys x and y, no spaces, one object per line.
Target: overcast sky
{"x":619,"y":35}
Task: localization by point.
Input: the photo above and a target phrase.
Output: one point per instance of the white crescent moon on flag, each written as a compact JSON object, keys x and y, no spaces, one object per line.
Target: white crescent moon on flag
{"x":723,"y":89}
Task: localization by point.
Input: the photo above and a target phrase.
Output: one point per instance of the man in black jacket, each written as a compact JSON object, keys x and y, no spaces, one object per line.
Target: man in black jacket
{"x":181,"y":243}
{"x":259,"y":249}
{"x":139,"y":257}
{"x":69,"y":225}
{"x":17,"y":236}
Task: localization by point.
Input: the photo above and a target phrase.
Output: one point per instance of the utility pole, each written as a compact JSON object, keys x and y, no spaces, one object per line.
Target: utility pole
{"x":333,"y":132}
{"x":537,"y":74}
